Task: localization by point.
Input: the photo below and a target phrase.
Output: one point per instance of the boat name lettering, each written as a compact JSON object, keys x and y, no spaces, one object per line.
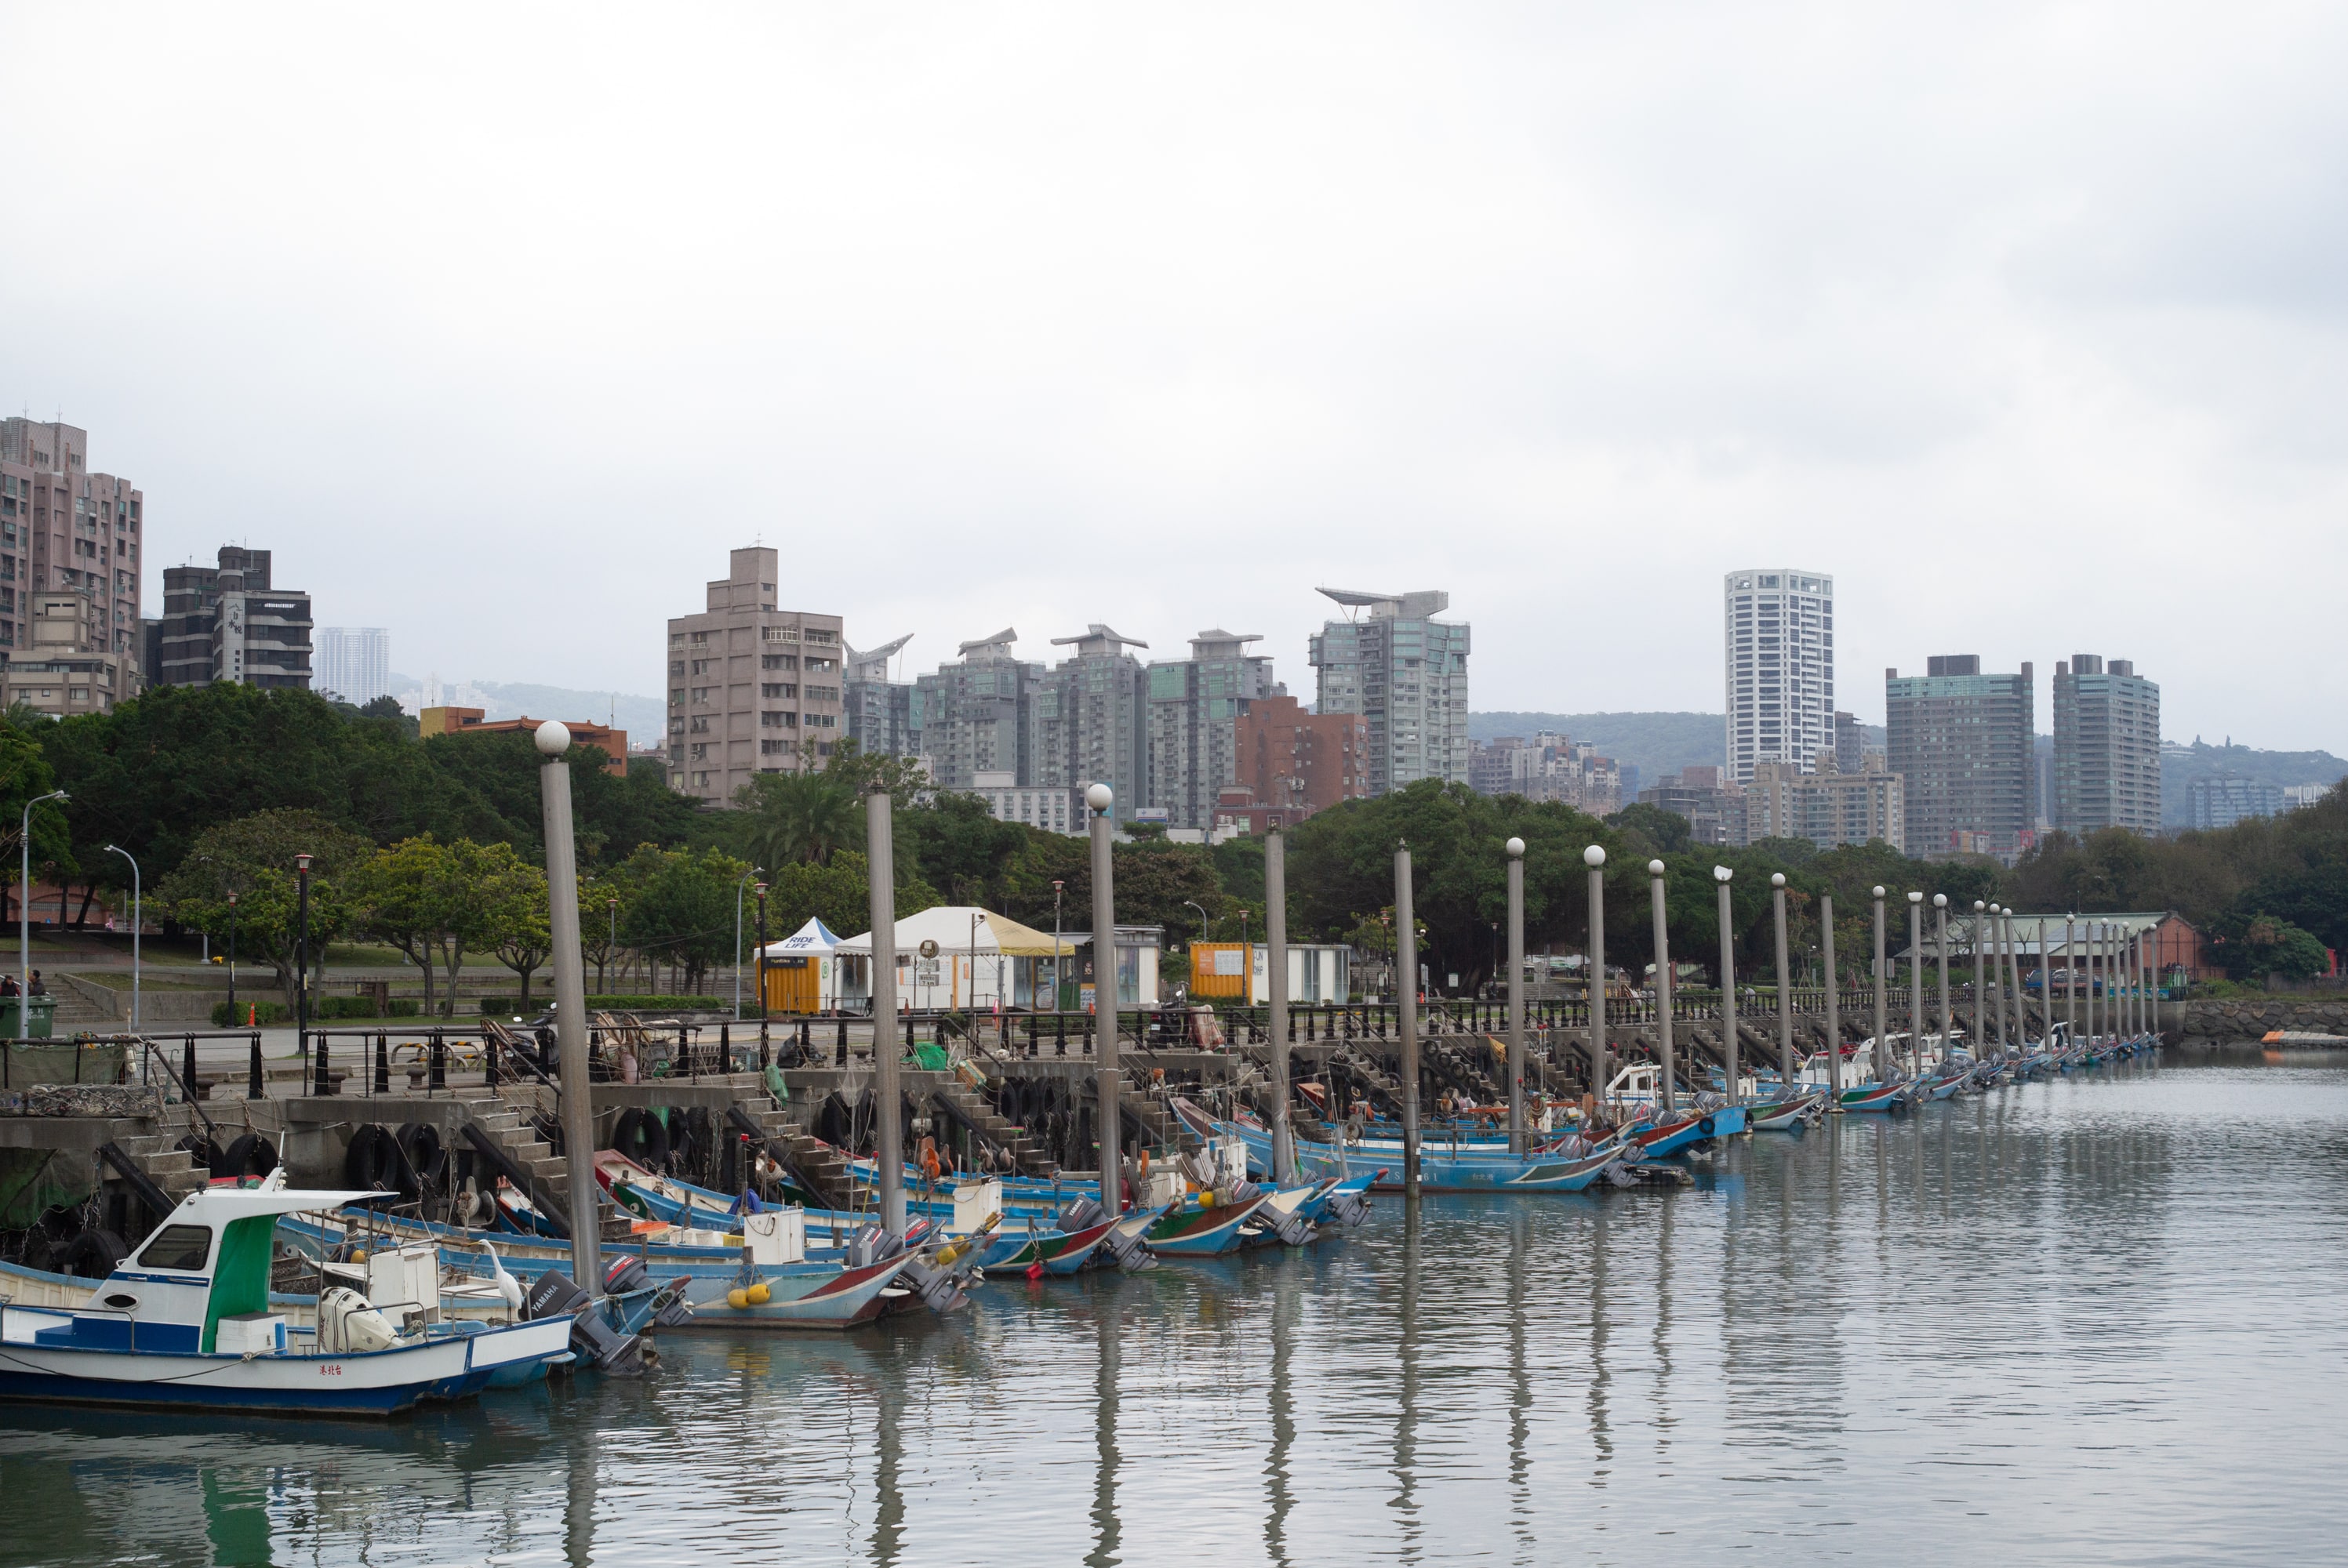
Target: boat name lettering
{"x":334,"y":1370}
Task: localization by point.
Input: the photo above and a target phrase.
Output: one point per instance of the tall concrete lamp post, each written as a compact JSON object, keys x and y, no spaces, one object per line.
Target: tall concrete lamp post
{"x":1663,"y":978}
{"x":1723,"y":875}
{"x":1100,"y":798}
{"x":1882,"y":1063}
{"x":1784,"y":989}
{"x":1275,"y":937}
{"x":1594,"y":857}
{"x":1516,"y":993}
{"x":573,"y":1049}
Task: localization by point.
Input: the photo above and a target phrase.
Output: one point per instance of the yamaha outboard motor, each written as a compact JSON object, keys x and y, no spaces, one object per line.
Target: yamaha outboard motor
{"x":556,"y":1294}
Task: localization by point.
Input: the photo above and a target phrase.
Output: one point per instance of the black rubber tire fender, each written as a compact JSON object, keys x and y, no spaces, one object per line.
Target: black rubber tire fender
{"x":369,"y":1159}
{"x":247,"y":1154}
{"x":639,"y":1135}
{"x":1704,"y":1126}
{"x":93,"y":1254}
{"x":426,"y":1156}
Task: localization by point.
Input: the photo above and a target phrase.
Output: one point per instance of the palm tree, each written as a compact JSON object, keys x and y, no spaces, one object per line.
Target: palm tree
{"x":792,"y":818}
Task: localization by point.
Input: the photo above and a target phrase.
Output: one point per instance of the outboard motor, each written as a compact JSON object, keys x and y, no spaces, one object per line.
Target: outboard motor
{"x":1348,"y":1207}
{"x":1125,"y":1246}
{"x":871,"y":1245}
{"x":556,"y":1294}
{"x":627,"y":1275}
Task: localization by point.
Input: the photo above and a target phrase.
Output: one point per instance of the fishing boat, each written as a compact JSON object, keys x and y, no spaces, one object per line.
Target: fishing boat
{"x":1873,"y":1097}
{"x":186,"y":1322}
{"x":1791,"y":1114}
{"x":764,"y":1261}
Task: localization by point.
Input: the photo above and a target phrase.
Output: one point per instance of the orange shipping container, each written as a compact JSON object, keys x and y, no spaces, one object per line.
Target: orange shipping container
{"x":1220,"y":970}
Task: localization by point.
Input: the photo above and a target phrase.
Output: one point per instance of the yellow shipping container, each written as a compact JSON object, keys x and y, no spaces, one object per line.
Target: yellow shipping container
{"x":1220,"y":970}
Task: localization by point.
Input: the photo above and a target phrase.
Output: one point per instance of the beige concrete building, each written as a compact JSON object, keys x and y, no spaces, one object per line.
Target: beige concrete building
{"x":1826,"y":807}
{"x":65,"y":529}
{"x":54,"y":669}
{"x":751,"y":689}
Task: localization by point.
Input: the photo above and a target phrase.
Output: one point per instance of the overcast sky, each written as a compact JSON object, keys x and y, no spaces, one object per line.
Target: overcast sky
{"x":501,"y":324}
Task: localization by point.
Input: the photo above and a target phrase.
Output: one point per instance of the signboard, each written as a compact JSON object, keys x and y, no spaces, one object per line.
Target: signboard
{"x":1227,"y":961}
{"x":928,"y":946}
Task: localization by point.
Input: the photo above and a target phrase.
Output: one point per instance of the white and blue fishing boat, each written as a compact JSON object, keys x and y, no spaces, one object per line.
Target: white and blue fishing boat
{"x":186,"y":1322}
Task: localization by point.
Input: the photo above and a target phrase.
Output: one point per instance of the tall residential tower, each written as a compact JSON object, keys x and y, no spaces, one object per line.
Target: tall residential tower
{"x":2106,"y":746}
{"x":1406,"y":673}
{"x":1778,"y":640}
{"x":751,"y":689}
{"x":64,"y":530}
{"x":1960,"y":742}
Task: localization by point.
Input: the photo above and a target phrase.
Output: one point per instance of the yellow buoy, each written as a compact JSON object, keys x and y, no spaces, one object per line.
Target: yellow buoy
{"x":758,"y":1295}
{"x":738,"y":1298}
{"x":360,"y":1256}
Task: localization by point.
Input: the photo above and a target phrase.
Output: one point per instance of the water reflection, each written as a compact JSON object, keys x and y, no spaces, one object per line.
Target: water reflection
{"x":2059,"y":1322}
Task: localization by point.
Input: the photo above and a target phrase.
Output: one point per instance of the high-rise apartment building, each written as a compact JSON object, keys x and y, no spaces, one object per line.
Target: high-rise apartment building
{"x":54,"y":669}
{"x":1827,"y":807}
{"x":355,"y":663}
{"x":2106,"y":746}
{"x":1850,"y":747}
{"x":1714,"y":808}
{"x":1195,"y":705}
{"x":1960,"y":742}
{"x":879,"y":711}
{"x":1548,"y":768}
{"x":977,"y":716}
{"x":2223,"y":801}
{"x":1299,"y":763}
{"x":64,"y":530}
{"x":230,"y":622}
{"x":1090,"y":722}
{"x":1778,"y":640}
{"x":752,"y":689}
{"x":1406,"y":673}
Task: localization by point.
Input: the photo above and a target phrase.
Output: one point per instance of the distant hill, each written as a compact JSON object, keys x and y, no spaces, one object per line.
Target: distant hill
{"x":1656,"y":743}
{"x":644,"y":717}
{"x":2180,"y":765}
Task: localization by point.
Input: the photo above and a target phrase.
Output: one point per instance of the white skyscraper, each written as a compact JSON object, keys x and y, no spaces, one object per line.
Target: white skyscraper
{"x":355,"y":663}
{"x":1779,"y":635}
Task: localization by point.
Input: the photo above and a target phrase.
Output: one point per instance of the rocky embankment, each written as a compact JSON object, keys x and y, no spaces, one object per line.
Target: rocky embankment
{"x":2248,"y":1017}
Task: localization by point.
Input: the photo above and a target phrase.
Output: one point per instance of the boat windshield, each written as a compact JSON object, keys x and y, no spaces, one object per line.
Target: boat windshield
{"x":184,"y":1248}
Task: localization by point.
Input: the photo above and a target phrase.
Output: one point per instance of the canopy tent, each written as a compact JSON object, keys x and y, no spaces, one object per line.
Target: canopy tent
{"x":980,"y":959}
{"x":801,"y":974}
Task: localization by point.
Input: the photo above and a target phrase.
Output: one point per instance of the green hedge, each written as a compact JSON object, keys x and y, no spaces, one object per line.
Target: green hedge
{"x":323,"y":1009}
{"x":235,"y":1015}
{"x":511,"y":1007}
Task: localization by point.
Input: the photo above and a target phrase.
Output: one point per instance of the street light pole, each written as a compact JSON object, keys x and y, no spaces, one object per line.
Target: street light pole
{"x":232,"y":960}
{"x":1941,"y":942}
{"x":1100,"y":798}
{"x":754,"y":871}
{"x":24,"y":917}
{"x":1785,"y":990}
{"x":1916,"y":984}
{"x":1516,"y":850}
{"x":576,"y":1103}
{"x":1407,"y":1015}
{"x":1594,"y":857}
{"x":135,"y":912}
{"x":1662,"y":975}
{"x":1882,"y":1020}
{"x":1722,"y":875}
{"x":301,"y":956}
{"x":1275,"y":940}
{"x":1186,"y":904}
{"x":760,"y":889}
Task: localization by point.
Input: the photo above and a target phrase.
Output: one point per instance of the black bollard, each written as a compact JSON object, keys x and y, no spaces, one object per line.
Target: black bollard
{"x":724,"y":1048}
{"x":254,"y":1086}
{"x":439,"y":1076}
{"x":187,"y":1069}
{"x":325,"y":1082}
{"x":383,"y":1064}
{"x":1060,"y":1033}
{"x":488,"y":1059}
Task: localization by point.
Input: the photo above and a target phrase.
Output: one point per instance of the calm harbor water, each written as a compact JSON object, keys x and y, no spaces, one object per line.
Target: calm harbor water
{"x":2098,"y":1320}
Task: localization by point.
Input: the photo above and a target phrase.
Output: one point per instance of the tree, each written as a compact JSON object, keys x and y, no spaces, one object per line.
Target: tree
{"x":787,"y":818}
{"x":26,"y":775}
{"x":253,"y":857}
{"x":1661,"y":831}
{"x":2249,"y":946}
{"x":520,"y":915}
{"x":839,"y":894}
{"x":685,"y":910}
{"x":402,"y":896}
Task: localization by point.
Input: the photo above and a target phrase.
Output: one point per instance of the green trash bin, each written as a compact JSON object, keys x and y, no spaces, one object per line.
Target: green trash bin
{"x":42,"y":1015}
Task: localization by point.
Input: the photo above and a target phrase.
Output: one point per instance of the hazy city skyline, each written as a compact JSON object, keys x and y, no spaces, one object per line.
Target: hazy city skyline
{"x":1566,"y":315}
